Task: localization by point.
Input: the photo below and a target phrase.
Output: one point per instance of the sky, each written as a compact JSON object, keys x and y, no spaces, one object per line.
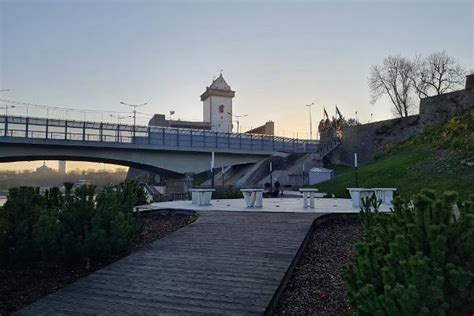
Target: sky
{"x":277,"y":55}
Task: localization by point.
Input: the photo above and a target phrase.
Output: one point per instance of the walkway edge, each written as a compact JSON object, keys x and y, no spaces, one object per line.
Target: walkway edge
{"x":284,"y":282}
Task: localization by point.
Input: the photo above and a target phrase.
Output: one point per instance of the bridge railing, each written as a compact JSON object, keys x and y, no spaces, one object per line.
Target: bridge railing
{"x":42,"y":128}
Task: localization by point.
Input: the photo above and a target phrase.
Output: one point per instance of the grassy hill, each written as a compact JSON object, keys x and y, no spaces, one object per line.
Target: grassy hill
{"x":439,"y":159}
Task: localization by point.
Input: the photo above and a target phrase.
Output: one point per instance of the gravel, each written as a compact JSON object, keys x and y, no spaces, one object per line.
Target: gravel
{"x":21,"y":286}
{"x":316,"y":286}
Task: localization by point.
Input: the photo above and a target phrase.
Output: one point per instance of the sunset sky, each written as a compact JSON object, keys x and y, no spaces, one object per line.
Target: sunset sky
{"x":277,"y":55}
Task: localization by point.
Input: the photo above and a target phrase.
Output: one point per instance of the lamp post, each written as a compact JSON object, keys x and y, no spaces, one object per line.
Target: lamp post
{"x":134,"y":106}
{"x":237,"y":117}
{"x":6,"y":106}
{"x":6,"y":119}
{"x":212,"y":169}
{"x":355,"y":168}
{"x":171,"y":118}
{"x":119,"y":117}
{"x":310,"y":121}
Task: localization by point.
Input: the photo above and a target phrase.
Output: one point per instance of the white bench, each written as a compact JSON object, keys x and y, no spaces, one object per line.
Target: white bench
{"x":308,"y":197}
{"x":383,"y":194}
{"x":253,"y":197}
{"x":201,"y":197}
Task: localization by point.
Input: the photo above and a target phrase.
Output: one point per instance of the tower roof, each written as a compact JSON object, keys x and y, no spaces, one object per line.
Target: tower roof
{"x":219,"y":87}
{"x":220,"y":84}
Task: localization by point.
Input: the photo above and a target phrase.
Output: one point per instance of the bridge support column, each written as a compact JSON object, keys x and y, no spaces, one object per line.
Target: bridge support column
{"x":101,"y":131}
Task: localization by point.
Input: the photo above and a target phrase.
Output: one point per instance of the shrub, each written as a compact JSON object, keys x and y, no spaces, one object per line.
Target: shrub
{"x":417,"y":260}
{"x":80,"y":224}
{"x":227,"y":193}
{"x":389,"y":148}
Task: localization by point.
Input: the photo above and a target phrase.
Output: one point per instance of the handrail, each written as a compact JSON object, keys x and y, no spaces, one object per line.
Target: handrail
{"x":33,"y":127}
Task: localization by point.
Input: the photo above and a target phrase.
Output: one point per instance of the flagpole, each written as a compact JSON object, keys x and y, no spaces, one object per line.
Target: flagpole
{"x":310,"y":121}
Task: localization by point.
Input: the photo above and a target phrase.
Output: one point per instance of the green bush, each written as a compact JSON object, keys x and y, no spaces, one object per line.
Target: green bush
{"x":417,"y":260}
{"x":227,"y":193}
{"x":75,"y":225}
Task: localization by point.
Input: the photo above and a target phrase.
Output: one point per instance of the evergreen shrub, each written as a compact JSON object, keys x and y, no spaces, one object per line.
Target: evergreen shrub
{"x":416,"y":260}
{"x":79,"y":224}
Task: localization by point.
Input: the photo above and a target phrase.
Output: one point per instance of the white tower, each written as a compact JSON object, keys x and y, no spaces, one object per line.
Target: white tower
{"x":62,"y":167}
{"x":217,"y":105}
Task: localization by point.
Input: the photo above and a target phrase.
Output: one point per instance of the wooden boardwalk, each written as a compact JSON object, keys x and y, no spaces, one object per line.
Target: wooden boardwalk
{"x":224,"y":263}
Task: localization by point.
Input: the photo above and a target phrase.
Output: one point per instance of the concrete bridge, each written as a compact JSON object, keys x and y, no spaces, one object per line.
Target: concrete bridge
{"x":144,"y":147}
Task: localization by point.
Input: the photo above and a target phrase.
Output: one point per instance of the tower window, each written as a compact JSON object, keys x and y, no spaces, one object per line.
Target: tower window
{"x":221,"y":108}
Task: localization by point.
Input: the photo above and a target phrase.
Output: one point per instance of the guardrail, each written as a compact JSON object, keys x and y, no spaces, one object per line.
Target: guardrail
{"x":42,"y":128}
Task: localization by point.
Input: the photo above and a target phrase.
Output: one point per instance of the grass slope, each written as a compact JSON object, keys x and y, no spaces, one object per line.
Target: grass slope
{"x":436,"y":159}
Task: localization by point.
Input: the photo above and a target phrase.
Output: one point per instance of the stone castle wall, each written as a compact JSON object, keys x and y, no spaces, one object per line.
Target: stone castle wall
{"x":369,"y":139}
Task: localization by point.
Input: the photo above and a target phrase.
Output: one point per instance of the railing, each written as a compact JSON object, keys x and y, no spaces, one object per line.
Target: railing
{"x":329,"y":146}
{"x":54,"y":129}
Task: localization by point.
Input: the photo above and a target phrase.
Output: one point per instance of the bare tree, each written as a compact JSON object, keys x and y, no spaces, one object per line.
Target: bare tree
{"x":394,"y":79}
{"x":437,"y":74}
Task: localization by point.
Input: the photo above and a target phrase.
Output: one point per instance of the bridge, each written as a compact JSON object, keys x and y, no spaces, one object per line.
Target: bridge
{"x":144,"y":147}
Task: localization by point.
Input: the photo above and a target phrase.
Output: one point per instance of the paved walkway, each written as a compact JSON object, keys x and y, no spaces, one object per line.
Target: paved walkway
{"x":224,"y":263}
{"x":290,"y":205}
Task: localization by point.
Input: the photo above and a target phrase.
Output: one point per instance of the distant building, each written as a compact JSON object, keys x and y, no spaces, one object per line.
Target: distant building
{"x":266,"y":129}
{"x":217,"y":112}
{"x":44,"y":169}
{"x":160,"y":120}
{"x":62,"y":167}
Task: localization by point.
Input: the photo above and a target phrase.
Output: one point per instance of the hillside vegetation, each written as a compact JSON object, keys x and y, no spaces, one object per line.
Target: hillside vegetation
{"x":441,"y":158}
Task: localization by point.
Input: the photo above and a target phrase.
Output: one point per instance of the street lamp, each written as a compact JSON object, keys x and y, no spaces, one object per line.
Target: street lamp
{"x":134,"y":106}
{"x":171,"y":118}
{"x":119,"y":117}
{"x":117,"y":132}
{"x":6,"y":106}
{"x":237,"y":117}
{"x":310,"y":121}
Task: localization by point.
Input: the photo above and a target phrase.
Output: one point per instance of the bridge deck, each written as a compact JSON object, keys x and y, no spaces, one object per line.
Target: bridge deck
{"x":85,"y":133}
{"x":225,"y":263}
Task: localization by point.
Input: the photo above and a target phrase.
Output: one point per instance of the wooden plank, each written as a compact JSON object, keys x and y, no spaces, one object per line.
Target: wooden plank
{"x":224,"y":263}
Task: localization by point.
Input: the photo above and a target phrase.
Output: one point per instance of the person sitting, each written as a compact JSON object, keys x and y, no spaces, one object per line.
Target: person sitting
{"x":276,"y":189}
{"x":267,"y":189}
